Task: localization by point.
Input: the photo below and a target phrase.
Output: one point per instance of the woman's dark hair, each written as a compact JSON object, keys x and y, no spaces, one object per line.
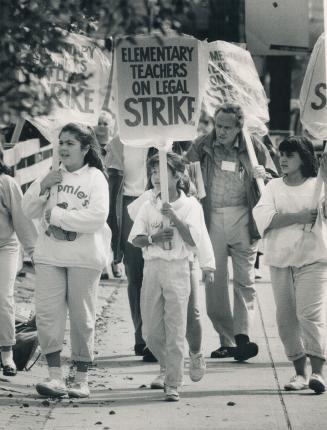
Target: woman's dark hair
{"x":176,"y":165}
{"x":4,"y":169}
{"x":88,"y":139}
{"x":304,"y":148}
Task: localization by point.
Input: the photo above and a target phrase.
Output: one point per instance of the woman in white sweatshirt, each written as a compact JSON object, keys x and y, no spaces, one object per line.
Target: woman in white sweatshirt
{"x":294,"y":232}
{"x":14,"y":228}
{"x":71,"y":251}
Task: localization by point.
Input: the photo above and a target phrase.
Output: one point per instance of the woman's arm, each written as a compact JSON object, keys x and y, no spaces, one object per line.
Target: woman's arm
{"x":306,"y":216}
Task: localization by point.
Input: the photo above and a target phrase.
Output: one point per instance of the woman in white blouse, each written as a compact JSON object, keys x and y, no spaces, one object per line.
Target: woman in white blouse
{"x":292,"y":226}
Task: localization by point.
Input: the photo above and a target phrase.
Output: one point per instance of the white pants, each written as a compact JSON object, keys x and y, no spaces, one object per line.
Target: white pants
{"x":59,"y":288}
{"x":9,"y":256}
{"x":300,"y":296}
{"x":164,"y":299}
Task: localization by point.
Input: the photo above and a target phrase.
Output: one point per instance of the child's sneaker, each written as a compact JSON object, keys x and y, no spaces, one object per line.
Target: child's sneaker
{"x":197,"y":366}
{"x":52,"y":388}
{"x":159,"y":382}
{"x":79,"y":390}
{"x":316,"y":383}
{"x":171,"y":394}
{"x":297,"y":382}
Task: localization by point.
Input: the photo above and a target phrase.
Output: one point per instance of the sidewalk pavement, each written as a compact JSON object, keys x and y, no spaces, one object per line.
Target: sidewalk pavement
{"x":231,"y":396}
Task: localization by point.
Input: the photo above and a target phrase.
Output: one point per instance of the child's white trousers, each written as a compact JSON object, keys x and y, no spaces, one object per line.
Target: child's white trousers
{"x":164,"y":299}
{"x":300,"y":297}
{"x":58,"y":289}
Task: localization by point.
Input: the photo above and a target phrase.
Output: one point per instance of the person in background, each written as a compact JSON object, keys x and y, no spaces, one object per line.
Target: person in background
{"x":166,"y":280}
{"x":128,"y":179}
{"x":231,"y":193}
{"x":71,"y":251}
{"x":105,"y":131}
{"x":15,"y":227}
{"x":294,"y":235}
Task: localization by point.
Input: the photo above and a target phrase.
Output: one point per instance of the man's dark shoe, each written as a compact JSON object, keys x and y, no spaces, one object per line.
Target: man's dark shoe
{"x":223,"y":352}
{"x":148,"y":357}
{"x":139,"y":349}
{"x":244,"y":349}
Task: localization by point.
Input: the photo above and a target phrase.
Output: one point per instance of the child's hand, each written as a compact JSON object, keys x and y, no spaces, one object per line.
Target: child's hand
{"x":52,"y":178}
{"x":208,"y":277}
{"x":168,"y":211}
{"x":47,"y":215}
{"x":163,"y":235}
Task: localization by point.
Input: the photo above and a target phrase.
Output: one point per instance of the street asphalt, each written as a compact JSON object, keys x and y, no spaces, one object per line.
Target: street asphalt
{"x":231,"y":396}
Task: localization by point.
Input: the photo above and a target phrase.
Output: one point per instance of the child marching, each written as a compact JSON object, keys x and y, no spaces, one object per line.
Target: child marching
{"x":71,"y":251}
{"x":166,"y":277}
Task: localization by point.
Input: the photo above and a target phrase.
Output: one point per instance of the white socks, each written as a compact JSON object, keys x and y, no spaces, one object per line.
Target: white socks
{"x":7,"y":358}
{"x":81,"y":377}
{"x":55,"y":373}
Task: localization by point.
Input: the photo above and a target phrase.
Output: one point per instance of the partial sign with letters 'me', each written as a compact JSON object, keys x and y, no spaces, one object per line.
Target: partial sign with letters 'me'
{"x":233,"y":78}
{"x":313,"y":96}
{"x":77,"y":79}
{"x":159,"y":85}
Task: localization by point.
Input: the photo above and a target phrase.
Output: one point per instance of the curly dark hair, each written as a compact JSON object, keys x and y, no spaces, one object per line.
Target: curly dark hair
{"x":176,"y":164}
{"x":303,"y":146}
{"x":88,"y":139}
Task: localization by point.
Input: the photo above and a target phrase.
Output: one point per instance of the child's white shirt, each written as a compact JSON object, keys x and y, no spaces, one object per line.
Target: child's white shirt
{"x":86,"y":194}
{"x":192,"y":214}
{"x":290,"y":245}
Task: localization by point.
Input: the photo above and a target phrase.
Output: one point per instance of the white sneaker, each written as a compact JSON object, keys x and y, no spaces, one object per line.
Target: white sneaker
{"x":52,"y":388}
{"x":297,"y":382}
{"x":159,"y":382}
{"x":171,"y":394}
{"x":79,"y":390}
{"x":197,"y":366}
{"x":316,"y":383}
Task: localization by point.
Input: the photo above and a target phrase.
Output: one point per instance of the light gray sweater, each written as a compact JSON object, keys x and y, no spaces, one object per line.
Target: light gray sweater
{"x":13,"y":222}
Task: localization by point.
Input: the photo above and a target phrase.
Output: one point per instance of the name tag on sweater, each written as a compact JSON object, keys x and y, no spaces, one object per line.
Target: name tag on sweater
{"x":230,"y":166}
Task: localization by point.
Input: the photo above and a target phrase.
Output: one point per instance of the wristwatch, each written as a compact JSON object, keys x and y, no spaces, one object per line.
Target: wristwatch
{"x":150,"y":239}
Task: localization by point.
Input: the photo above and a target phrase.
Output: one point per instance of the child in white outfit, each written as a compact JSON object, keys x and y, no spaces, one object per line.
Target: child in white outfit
{"x":166,"y":277}
{"x":294,"y":233}
{"x":14,"y":226}
{"x":71,"y":251}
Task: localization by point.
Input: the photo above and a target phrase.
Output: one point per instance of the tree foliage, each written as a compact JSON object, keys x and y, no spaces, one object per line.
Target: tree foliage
{"x":29,"y":27}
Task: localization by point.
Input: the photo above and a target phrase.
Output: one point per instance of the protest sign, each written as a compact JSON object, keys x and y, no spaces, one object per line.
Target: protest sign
{"x":313,"y":95}
{"x":77,"y":80}
{"x":233,"y":78}
{"x":277,"y":27}
{"x":159,"y":87}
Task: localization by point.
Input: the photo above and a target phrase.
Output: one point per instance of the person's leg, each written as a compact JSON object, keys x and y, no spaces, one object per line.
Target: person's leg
{"x":243,"y":254}
{"x":311,"y":311}
{"x":8,"y":268}
{"x":133,"y":262}
{"x":217,"y":296}
{"x":112,"y":222}
{"x":282,"y":282}
{"x":175,"y":279}
{"x":197,"y":365}
{"x":81,"y":298}
{"x":152,"y":309}
{"x":194,"y":327}
{"x":51,"y":313}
